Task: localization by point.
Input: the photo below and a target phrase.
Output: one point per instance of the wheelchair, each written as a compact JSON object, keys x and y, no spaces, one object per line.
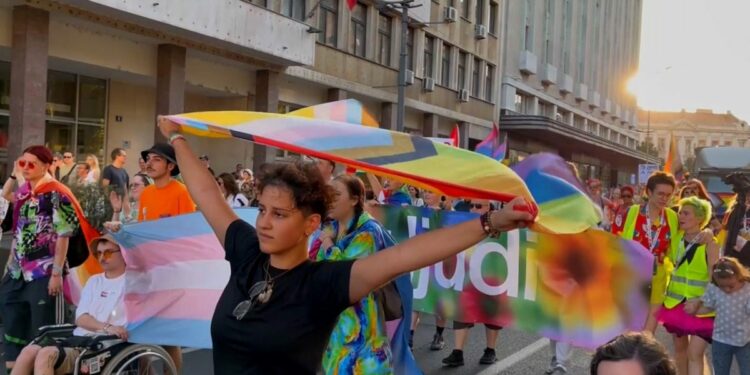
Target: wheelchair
{"x":107,"y":354}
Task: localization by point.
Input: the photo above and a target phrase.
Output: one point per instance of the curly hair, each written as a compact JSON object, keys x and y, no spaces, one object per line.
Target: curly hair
{"x":701,"y":207}
{"x":310,"y":193}
{"x":641,"y":347}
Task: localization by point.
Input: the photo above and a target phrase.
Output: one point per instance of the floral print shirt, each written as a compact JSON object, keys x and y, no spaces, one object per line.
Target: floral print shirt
{"x":41,"y":219}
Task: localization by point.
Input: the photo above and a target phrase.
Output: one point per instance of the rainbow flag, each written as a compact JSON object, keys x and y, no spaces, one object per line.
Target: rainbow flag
{"x":413,"y":159}
{"x":673,"y":164}
{"x":495,"y":145}
{"x":559,"y":194}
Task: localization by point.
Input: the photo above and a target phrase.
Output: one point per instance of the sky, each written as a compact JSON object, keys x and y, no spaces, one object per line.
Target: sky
{"x":695,"y":54}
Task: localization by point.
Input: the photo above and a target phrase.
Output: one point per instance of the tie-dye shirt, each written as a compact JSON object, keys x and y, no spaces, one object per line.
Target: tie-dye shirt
{"x":40,"y":220}
{"x":359,"y":343}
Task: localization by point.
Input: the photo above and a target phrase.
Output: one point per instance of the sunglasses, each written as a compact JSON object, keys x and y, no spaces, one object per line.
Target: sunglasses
{"x":26,"y":164}
{"x":106,"y":254}
{"x":627,"y":196}
{"x":254,"y":300}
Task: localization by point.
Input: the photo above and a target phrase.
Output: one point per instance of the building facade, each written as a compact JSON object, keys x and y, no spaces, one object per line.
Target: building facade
{"x":692,"y":130}
{"x":563,"y":90}
{"x":89,"y":76}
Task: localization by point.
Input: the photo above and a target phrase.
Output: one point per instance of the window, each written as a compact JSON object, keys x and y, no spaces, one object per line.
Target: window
{"x":741,"y":142}
{"x":358,"y":31}
{"x":445,"y":71}
{"x":479,"y":12}
{"x":76,"y":127}
{"x":410,"y":48}
{"x":328,"y":24}
{"x":518,"y":101}
{"x":489,"y":80}
{"x":463,"y":7}
{"x":429,"y":55}
{"x":4,"y":85}
{"x":475,"y":77}
{"x":714,"y":143}
{"x":566,"y":36}
{"x":493,"y":17}
{"x":293,"y":9}
{"x":727,"y":143}
{"x":702,"y":143}
{"x":260,"y":3}
{"x":384,"y":39}
{"x":528,"y":30}
{"x":549,"y":25}
{"x":582,"y":42}
{"x":462,"y":61}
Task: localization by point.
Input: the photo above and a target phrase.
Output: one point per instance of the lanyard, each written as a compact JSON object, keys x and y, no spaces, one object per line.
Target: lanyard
{"x":653,"y":235}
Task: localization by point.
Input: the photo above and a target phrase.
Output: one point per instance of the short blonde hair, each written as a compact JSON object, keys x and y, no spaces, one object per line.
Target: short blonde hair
{"x":701,"y":207}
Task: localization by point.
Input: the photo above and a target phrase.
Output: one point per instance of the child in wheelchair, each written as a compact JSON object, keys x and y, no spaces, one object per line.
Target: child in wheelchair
{"x":99,"y":312}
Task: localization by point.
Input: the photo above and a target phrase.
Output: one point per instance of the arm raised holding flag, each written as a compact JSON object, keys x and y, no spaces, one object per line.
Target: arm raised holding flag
{"x":274,"y":291}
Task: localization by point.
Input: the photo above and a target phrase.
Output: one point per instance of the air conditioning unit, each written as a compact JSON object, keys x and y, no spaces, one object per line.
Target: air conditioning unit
{"x":429,"y":84}
{"x":451,"y":14}
{"x":409,"y":77}
{"x":480,"y":32}
{"x":463,"y":95}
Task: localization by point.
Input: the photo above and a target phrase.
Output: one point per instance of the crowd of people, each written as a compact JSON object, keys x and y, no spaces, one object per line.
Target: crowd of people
{"x":304,"y":277}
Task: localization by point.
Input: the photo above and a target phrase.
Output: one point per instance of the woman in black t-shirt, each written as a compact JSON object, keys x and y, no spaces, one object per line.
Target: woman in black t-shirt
{"x":278,"y":309}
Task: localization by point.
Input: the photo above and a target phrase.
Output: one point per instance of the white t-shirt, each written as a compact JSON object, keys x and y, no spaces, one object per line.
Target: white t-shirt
{"x":236,"y":201}
{"x":102,"y":299}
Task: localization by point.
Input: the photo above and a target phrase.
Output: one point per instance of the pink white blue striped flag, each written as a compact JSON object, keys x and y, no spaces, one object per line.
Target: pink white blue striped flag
{"x":175,"y":275}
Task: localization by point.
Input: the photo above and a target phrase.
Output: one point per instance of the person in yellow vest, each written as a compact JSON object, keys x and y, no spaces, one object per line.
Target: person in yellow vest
{"x":655,"y":227}
{"x":689,"y":279}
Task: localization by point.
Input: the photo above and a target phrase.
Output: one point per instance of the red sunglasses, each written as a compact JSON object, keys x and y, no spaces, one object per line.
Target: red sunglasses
{"x":25,"y":164}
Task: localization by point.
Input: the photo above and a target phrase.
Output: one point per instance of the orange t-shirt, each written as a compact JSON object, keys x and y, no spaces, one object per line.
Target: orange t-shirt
{"x":171,"y":200}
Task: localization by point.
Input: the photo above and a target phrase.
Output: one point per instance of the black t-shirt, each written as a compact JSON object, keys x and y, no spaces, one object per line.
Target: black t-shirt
{"x":118,"y":177}
{"x":288,"y":334}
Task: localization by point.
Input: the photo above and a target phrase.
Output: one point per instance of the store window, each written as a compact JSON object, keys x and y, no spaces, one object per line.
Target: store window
{"x":76,"y":114}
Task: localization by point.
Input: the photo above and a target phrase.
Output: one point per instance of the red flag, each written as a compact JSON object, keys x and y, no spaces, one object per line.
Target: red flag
{"x":350,"y":4}
{"x":455,"y":136}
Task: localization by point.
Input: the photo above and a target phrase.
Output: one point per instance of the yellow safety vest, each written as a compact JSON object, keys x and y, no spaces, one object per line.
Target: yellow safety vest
{"x":628,"y":230}
{"x":689,"y":280}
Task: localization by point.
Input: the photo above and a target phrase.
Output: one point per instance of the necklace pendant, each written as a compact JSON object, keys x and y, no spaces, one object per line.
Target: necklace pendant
{"x":265,"y":295}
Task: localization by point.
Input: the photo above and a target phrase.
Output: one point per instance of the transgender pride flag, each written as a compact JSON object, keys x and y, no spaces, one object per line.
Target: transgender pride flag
{"x":175,"y":275}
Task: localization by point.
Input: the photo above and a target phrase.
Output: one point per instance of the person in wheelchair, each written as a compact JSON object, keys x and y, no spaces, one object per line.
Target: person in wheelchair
{"x":100,"y":312}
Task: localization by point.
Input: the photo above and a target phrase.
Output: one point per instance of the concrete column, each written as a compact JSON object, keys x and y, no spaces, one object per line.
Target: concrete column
{"x":336,"y":94}
{"x":430,"y":125}
{"x":463,"y":134}
{"x":534,"y":104}
{"x":170,"y":82}
{"x":388,"y":116}
{"x":570,"y":119}
{"x":28,"y":80}
{"x":266,"y":100}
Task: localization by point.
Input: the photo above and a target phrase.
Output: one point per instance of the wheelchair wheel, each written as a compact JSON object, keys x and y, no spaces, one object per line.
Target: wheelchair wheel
{"x":140,"y":360}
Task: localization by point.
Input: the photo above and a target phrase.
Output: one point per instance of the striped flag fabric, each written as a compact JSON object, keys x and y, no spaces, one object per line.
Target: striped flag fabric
{"x":673,"y":164}
{"x":456,"y":137}
{"x":495,"y":145}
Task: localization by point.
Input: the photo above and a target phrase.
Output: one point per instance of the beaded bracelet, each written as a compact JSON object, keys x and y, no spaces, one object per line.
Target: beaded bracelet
{"x":486,"y":221}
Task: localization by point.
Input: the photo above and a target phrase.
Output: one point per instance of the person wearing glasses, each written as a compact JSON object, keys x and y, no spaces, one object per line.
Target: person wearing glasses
{"x":626,"y":195}
{"x":135,"y":190}
{"x":44,"y":219}
{"x":693,"y":260}
{"x":278,"y":309}
{"x":67,"y":168}
{"x":461,"y":329}
{"x":99,"y":312}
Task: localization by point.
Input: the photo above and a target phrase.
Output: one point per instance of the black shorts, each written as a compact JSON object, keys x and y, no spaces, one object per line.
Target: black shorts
{"x":459,"y":325}
{"x":25,"y":306}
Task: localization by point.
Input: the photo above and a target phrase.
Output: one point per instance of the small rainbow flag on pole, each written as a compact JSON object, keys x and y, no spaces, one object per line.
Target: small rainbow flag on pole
{"x":673,"y":164}
{"x":495,"y":145}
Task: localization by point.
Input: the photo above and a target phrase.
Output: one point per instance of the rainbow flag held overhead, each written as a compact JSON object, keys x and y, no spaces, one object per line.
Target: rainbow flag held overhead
{"x":413,"y":159}
{"x":673,"y":163}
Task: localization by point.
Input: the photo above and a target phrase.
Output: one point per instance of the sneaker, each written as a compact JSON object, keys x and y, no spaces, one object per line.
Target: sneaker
{"x":556,"y":369}
{"x":488,"y":357}
{"x":437,"y":342}
{"x":455,"y":359}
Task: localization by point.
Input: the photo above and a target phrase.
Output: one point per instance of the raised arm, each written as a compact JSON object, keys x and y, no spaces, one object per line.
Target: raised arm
{"x":200,"y":183}
{"x":373,"y":271}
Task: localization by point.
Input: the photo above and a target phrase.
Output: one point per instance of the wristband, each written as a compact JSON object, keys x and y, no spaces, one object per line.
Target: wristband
{"x":56,"y":270}
{"x":175,"y":136}
{"x":486,"y":222}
